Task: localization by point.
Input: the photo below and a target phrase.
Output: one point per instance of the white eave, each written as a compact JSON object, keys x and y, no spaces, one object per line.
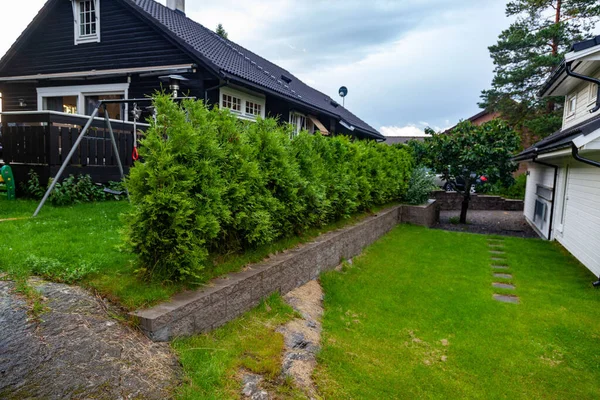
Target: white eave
{"x":100,"y":73}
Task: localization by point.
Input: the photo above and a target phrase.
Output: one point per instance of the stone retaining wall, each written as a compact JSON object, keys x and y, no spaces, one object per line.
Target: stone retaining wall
{"x":228,"y":297}
{"x":453,"y":201}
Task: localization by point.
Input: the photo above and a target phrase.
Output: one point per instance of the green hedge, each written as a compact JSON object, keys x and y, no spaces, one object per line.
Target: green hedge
{"x":211,"y":183}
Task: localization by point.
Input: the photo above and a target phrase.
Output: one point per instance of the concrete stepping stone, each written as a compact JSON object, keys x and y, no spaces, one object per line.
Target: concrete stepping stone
{"x":501,"y":285}
{"x":504,"y":276}
{"x":500,"y":266}
{"x":498,"y":259}
{"x":506,"y":298}
{"x":497,"y":252}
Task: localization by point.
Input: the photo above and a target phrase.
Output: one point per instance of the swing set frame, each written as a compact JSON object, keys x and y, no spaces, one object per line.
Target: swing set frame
{"x":101,"y":104}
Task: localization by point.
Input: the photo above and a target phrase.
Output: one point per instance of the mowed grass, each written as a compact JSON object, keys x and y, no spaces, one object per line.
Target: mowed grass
{"x":89,"y":237}
{"x":413,"y":317}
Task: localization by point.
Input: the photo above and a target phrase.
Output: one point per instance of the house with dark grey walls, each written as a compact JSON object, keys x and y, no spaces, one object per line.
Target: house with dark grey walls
{"x":75,"y":53}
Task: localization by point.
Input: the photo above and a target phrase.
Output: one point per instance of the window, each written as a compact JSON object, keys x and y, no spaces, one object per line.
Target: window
{"x":243,"y":104}
{"x":253,"y":108}
{"x":592,"y":93}
{"x":232,"y":102}
{"x":298,"y":122}
{"x":87,"y":21}
{"x":83,"y":100}
{"x":571,"y":106}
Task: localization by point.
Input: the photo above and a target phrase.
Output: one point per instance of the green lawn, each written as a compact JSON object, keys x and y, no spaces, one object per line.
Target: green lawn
{"x":83,"y":244}
{"x":413,"y":317}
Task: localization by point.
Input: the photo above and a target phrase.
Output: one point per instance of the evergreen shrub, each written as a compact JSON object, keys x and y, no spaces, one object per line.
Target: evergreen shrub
{"x":208,"y":182}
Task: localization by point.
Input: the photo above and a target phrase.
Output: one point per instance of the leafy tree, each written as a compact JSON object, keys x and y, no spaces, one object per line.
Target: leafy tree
{"x":527,"y":53}
{"x":222,"y":32}
{"x":474,"y":150}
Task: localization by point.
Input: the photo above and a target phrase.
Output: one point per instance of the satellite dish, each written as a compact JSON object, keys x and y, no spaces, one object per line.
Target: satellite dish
{"x":343,"y":91}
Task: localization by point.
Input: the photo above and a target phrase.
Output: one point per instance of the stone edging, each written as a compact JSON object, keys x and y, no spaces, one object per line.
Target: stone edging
{"x":228,"y":297}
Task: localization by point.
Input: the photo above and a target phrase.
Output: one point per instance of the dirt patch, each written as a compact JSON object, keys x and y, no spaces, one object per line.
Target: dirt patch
{"x":77,"y":350}
{"x":507,"y":223}
{"x":303,"y":335}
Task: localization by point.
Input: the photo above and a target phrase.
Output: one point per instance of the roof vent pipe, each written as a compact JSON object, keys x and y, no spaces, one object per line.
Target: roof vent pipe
{"x":177,"y":5}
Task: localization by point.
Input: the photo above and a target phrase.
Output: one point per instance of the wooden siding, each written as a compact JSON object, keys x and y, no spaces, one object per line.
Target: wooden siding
{"x":126,"y":41}
{"x":584,"y":104}
{"x":581,"y":230}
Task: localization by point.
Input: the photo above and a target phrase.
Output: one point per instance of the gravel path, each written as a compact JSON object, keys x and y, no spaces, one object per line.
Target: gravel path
{"x":77,"y":351}
{"x":508,"y":223}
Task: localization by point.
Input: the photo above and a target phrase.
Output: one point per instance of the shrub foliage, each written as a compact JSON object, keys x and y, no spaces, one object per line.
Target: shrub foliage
{"x":209,"y":182}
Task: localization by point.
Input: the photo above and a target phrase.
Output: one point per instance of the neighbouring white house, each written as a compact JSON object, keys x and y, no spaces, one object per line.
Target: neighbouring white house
{"x":562,"y":199}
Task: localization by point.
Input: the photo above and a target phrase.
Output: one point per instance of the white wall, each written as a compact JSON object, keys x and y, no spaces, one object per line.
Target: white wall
{"x":581,"y":229}
{"x":538,"y":175}
{"x":585,"y":102}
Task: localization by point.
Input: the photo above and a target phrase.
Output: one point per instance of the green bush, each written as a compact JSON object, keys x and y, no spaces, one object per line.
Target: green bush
{"x":71,"y":190}
{"x":516,"y":190}
{"x":210,"y":182}
{"x":420,"y":186}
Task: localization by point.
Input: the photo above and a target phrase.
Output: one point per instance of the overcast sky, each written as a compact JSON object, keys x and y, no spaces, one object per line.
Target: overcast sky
{"x":407,"y":63}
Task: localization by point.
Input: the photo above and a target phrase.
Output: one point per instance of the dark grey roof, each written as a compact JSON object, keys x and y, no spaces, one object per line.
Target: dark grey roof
{"x":560,"y":139}
{"x":236,"y":62}
{"x":576,"y":47}
{"x":585,"y":44}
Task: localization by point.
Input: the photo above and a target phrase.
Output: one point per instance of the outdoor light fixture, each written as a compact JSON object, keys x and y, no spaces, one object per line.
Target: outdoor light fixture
{"x":22,"y":103}
{"x":174,"y":82}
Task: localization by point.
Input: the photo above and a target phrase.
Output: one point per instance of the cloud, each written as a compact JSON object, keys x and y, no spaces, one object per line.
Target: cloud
{"x":408,"y":130}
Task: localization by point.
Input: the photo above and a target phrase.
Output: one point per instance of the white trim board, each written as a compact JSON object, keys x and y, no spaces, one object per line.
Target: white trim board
{"x":103,"y":72}
{"x":81,"y":91}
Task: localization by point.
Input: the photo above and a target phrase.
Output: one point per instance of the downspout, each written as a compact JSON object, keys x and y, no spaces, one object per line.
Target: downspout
{"x":210,"y":89}
{"x":575,"y":152}
{"x":587,"y":79}
{"x":535,"y":160}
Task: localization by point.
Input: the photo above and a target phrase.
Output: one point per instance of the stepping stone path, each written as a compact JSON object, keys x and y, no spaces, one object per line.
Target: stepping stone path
{"x":506,"y":298}
{"x":500,"y":285}
{"x":498,"y":254}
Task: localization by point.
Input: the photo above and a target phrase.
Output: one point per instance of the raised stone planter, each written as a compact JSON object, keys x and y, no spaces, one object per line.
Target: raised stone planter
{"x":448,"y":201}
{"x":424,"y":215}
{"x":228,"y":297}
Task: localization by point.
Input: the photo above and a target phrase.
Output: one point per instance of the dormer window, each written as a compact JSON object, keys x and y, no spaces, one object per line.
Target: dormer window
{"x":86,"y":16}
{"x":571,"y":106}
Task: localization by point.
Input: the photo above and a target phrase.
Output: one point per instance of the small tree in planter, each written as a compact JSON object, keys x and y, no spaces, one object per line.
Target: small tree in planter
{"x":469,"y":151}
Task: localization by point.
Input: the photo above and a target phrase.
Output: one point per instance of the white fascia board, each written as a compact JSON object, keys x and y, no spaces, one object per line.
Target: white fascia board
{"x":572,"y":56}
{"x":554,"y":154}
{"x":103,"y":72}
{"x":346,"y":125}
{"x":582,"y":140}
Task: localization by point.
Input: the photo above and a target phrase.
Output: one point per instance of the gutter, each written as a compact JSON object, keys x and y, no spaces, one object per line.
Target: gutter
{"x":534,"y":160}
{"x":575,"y":152}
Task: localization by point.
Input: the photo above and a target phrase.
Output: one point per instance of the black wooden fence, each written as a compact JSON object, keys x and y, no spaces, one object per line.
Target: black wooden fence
{"x":43,"y":147}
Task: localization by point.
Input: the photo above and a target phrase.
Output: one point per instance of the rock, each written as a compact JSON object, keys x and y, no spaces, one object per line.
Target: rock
{"x":77,"y":350}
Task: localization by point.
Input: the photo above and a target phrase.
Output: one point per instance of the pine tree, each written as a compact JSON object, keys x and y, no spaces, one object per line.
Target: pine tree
{"x":222,"y":32}
{"x":527,"y":53}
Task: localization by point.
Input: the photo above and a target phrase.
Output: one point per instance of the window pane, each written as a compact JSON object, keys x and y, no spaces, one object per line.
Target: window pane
{"x":114,"y":110}
{"x":66,"y":104}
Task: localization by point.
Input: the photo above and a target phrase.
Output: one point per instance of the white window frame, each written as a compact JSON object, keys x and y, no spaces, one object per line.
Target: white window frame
{"x":81,"y":92}
{"x":296,"y":125}
{"x":571,"y":111}
{"x":592,"y":93}
{"x":81,"y":39}
{"x":244,"y":97}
